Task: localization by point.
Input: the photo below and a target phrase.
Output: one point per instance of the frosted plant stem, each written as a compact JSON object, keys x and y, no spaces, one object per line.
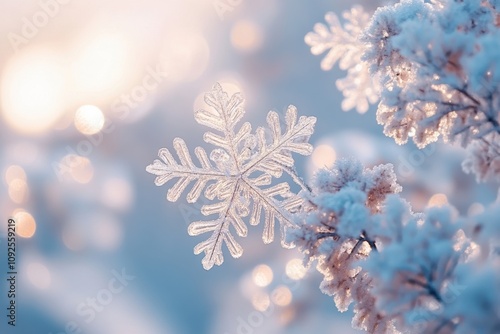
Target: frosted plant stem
{"x":296,"y":178}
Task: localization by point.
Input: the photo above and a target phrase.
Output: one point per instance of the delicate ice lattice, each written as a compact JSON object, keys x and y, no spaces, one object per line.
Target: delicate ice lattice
{"x":238,"y":173}
{"x":343,"y":45}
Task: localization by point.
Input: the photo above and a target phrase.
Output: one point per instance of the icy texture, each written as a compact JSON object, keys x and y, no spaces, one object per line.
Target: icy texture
{"x":415,"y":271}
{"x":344,"y":46}
{"x":483,"y":158}
{"x":237,"y":175}
{"x":435,"y":67}
{"x":404,"y":272}
{"x":336,"y":228}
{"x":437,"y":81}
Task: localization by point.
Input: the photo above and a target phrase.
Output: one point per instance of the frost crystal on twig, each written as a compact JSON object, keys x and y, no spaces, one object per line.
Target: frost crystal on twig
{"x":238,"y":173}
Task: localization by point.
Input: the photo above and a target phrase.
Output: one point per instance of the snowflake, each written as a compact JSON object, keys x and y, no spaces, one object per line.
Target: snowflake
{"x":359,"y":87}
{"x":239,"y":180}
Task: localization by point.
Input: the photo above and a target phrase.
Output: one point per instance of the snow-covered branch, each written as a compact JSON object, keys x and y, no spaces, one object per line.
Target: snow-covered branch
{"x":402,"y":271}
{"x":436,"y":68}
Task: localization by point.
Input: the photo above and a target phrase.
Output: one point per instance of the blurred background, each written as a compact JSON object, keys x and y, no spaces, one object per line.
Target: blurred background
{"x":90,"y":90}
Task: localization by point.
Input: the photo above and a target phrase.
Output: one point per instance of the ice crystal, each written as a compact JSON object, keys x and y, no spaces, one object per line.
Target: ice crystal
{"x":439,"y":82}
{"x":404,"y":272}
{"x":344,"y":46}
{"x":336,"y":228}
{"x":237,"y":175}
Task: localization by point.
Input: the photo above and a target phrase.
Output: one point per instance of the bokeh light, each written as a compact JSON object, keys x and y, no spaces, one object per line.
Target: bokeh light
{"x":140,"y":65}
{"x":281,"y":296}
{"x":262,"y":275}
{"x":15,"y":177}
{"x":295,"y":270}
{"x":72,"y":239}
{"x":14,"y":172}
{"x":117,"y":193}
{"x":438,"y":200}
{"x":84,"y":171}
{"x":324,"y":156}
{"x":107,"y":233}
{"x":261,"y":301}
{"x":25,"y":224}
{"x":39,"y":275}
{"x":100,"y":62}
{"x":246,"y":36}
{"x":288,"y":315}
{"x":79,"y":168}
{"x":33,"y":91}
{"x":89,"y":119}
{"x":18,"y":191}
{"x":185,"y":56}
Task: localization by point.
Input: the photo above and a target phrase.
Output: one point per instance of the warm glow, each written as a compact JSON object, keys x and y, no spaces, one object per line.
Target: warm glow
{"x":246,"y":36}
{"x":295,"y":270}
{"x":15,"y":177}
{"x":107,"y":233}
{"x":117,"y":193}
{"x":18,"y":191}
{"x":287,"y":316}
{"x":412,"y":132}
{"x":25,"y":224}
{"x":262,"y":275}
{"x":324,"y":156}
{"x":282,"y":296}
{"x":89,"y":119}
{"x":101,"y":62}
{"x":80,"y":168}
{"x":438,"y":200}
{"x":247,"y":286}
{"x":14,"y":172}
{"x":184,"y":56}
{"x":39,"y":275}
{"x":261,"y":301}
{"x":33,"y":92}
{"x":72,"y":239}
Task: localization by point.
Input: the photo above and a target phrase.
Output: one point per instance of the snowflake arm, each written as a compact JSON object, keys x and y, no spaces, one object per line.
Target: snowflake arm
{"x":225,"y":113}
{"x":168,"y":168}
{"x":344,"y":46}
{"x":359,"y":88}
{"x":275,"y":156}
{"x":212,"y":247}
{"x":342,"y":42}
